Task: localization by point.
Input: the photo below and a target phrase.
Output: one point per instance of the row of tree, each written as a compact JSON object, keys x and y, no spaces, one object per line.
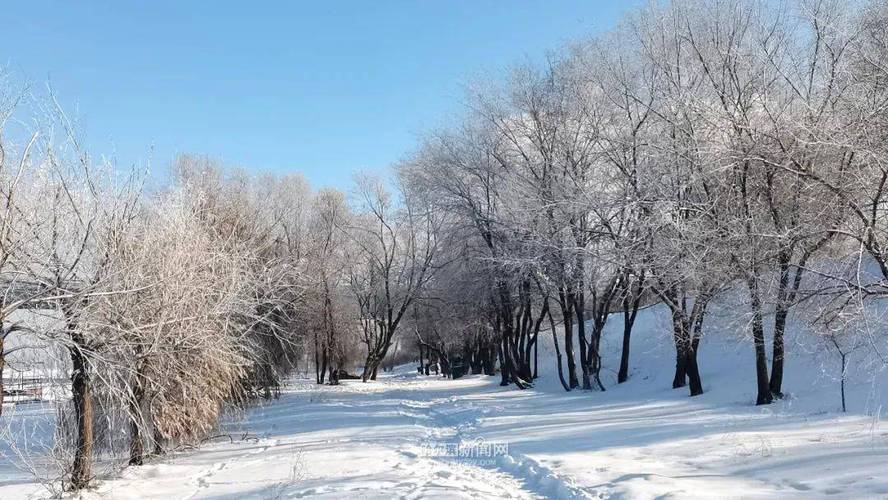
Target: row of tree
{"x":700,"y":149}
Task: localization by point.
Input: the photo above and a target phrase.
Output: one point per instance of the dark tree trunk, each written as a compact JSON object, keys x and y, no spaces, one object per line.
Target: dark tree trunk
{"x":623,"y":374}
{"x":504,"y":371}
{"x":317,"y":360}
{"x":595,"y":357}
{"x":137,"y":445}
{"x":776,"y":383}
{"x":680,"y":378}
{"x":630,"y":312}
{"x":681,"y":345}
{"x":534,"y":338}
{"x":558,"y":354}
{"x":490,"y":359}
{"x":693,"y":371}
{"x":477,"y":357}
{"x":519,"y":375}
{"x":585,"y":346}
{"x":592,"y":361}
{"x":567,"y":317}
{"x":158,"y":442}
{"x":81,"y":392}
{"x":764,"y":395}
{"x":323,"y":371}
{"x":520,"y":364}
{"x":368,"y":365}
{"x":786,"y":295}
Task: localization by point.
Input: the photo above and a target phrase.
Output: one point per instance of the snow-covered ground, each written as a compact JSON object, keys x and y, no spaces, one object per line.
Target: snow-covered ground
{"x":640,"y":439}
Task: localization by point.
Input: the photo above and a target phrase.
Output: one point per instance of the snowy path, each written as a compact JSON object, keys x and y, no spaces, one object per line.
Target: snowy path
{"x":353,"y":441}
{"x":636,"y":441}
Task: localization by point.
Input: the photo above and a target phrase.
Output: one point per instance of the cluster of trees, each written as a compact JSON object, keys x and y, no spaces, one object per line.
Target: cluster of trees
{"x":171,"y":304}
{"x":701,"y":147}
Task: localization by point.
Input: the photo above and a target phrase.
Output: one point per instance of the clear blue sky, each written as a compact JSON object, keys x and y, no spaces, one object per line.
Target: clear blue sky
{"x":324,"y":87}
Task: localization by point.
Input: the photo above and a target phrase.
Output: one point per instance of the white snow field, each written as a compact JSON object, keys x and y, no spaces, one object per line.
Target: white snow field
{"x":641,"y":439}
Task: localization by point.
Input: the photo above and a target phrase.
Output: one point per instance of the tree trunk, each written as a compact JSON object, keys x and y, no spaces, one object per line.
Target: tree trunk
{"x":681,"y":345}
{"x":693,"y":372}
{"x":630,"y":312}
{"x":317,"y":361}
{"x":786,"y":294}
{"x":567,"y":316}
{"x":842,"y":384}
{"x":490,"y":359}
{"x":585,"y":346}
{"x":520,"y":366}
{"x":504,"y":372}
{"x":776,"y":383}
{"x":137,"y":446}
{"x":158,"y":441}
{"x":81,"y":392}
{"x":323,"y":365}
{"x":368,"y":365}
{"x":2,"y":366}
{"x":558,"y":355}
{"x":595,"y":357}
{"x":623,"y":373}
{"x":764,"y":395}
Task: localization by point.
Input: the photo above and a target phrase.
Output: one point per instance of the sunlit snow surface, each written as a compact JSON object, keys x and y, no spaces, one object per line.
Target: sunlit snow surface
{"x":640,"y":439}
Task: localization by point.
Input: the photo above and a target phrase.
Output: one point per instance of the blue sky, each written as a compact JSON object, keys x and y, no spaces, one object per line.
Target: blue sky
{"x":325,"y":87}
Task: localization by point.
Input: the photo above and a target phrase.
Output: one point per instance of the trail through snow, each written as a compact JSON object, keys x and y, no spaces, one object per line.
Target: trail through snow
{"x":370,"y":441}
{"x":641,"y":439}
